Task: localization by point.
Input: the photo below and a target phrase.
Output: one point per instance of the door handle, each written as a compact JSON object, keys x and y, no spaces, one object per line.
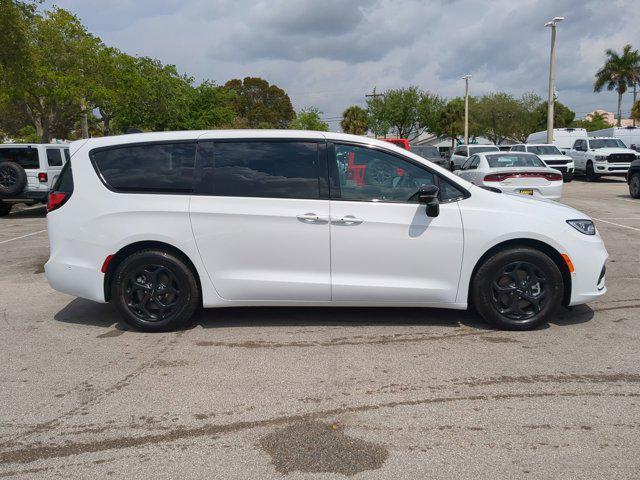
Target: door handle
{"x":347,"y":220}
{"x":311,"y":218}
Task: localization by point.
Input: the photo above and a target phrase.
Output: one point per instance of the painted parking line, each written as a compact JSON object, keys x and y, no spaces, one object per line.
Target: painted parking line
{"x":23,"y":236}
{"x":617,"y":224}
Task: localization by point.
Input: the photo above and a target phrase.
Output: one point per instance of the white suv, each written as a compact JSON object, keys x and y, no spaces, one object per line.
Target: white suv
{"x":551,"y":156}
{"x":462,"y":152}
{"x":28,"y":171}
{"x":597,"y":156}
{"x":163,"y":223}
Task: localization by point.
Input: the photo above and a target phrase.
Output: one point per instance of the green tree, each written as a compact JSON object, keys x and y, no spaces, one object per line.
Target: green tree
{"x":261,"y":104}
{"x":597,"y":121}
{"x":563,"y":116}
{"x":376,"y":113}
{"x":354,"y":120}
{"x":526,"y":121}
{"x":497,"y":115}
{"x":406,"y":112}
{"x":618,"y":73}
{"x":211,"y":106}
{"x":309,"y":119}
{"x":52,"y":79}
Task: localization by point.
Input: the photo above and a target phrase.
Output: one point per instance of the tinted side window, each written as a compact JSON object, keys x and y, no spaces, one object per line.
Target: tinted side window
{"x":67,"y":155}
{"x":65,"y":180}
{"x":366,"y":174}
{"x":54,"y":157}
{"x":165,"y":167}
{"x":270,"y":169}
{"x":25,"y":157}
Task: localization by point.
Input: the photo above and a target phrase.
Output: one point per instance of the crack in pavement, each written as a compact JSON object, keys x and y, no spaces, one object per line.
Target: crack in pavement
{"x":37,"y":451}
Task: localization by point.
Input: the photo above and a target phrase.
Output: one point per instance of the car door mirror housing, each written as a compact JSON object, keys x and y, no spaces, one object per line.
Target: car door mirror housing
{"x":428,"y":195}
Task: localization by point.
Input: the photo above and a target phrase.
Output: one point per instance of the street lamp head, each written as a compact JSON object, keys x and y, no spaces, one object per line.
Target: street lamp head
{"x":464,"y":77}
{"x":553,"y":22}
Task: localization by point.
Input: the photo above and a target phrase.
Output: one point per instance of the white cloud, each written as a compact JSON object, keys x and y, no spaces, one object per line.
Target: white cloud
{"x":330,"y":53}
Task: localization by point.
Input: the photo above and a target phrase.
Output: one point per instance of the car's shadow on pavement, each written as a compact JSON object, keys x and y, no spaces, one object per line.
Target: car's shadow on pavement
{"x":85,"y":312}
{"x":601,"y":180}
{"x":39,"y":211}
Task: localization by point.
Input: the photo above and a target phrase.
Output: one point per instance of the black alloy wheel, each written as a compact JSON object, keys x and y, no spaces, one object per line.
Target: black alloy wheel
{"x":8,"y":176}
{"x":518,"y":291}
{"x":152,"y":292}
{"x":518,"y":288}
{"x":155,"y":291}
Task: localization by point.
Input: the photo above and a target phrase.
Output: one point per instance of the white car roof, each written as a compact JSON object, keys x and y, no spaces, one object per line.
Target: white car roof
{"x":33,"y":145}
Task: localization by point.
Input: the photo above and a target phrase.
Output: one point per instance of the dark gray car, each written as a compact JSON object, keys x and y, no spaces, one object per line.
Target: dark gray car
{"x":432,"y":154}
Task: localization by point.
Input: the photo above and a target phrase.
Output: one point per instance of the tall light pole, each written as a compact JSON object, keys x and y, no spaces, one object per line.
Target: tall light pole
{"x":551,"y":100}
{"x":466,"y":108}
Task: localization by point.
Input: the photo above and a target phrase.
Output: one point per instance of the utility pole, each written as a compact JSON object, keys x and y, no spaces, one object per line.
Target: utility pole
{"x":375,"y":95}
{"x":551,"y":100}
{"x":466,"y":108}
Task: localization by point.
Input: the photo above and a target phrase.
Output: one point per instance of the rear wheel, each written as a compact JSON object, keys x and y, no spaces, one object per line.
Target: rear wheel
{"x":155,"y":291}
{"x":5,"y":208}
{"x":590,"y":173}
{"x":634,"y":185}
{"x":517,"y":289}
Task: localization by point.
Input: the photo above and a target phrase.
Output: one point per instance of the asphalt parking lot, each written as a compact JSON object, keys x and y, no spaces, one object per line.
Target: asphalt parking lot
{"x":320,"y":393}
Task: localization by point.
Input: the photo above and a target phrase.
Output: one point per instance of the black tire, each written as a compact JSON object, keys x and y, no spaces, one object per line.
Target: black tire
{"x":5,"y":209}
{"x":505,"y":295}
{"x":155,"y":291}
{"x":13,"y":179}
{"x":634,"y":185}
{"x":590,"y":174}
{"x":568,"y":178}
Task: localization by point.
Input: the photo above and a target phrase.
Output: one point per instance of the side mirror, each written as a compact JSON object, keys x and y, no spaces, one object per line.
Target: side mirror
{"x":428,"y":195}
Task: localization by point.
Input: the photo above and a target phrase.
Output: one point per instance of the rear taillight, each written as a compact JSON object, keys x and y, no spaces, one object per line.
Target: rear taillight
{"x":43,"y":177}
{"x":56,"y":200}
{"x":499,"y":177}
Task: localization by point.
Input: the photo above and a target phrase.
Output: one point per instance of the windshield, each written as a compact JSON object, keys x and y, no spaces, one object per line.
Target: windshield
{"x":514,"y":160}
{"x":482,"y":148}
{"x":544,"y":150}
{"x":606,"y":143}
{"x":425,"y":151}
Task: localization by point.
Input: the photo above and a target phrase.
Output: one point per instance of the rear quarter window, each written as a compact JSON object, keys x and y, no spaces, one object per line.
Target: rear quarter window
{"x":23,"y":156}
{"x":54,"y":157}
{"x":270,"y":169}
{"x":159,"y":168}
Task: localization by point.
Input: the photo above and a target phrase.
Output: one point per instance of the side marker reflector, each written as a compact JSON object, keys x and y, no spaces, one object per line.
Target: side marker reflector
{"x":107,"y":261}
{"x":567,"y":260}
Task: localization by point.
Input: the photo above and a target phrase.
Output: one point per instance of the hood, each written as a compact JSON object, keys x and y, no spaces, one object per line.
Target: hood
{"x":610,"y":150}
{"x":537,"y":205}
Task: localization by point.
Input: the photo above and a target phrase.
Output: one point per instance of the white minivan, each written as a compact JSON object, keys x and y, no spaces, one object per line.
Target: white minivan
{"x":164,"y":223}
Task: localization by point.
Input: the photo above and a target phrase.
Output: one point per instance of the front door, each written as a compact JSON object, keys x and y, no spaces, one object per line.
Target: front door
{"x":259,"y":221}
{"x":384,"y":248}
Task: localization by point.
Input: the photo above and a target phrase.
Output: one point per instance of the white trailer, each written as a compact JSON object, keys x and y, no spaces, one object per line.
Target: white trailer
{"x":563,"y":138}
{"x":630,"y":136}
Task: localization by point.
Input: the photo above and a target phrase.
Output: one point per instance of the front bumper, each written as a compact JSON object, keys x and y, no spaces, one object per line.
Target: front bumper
{"x":588,"y":256}
{"x":605,"y":168}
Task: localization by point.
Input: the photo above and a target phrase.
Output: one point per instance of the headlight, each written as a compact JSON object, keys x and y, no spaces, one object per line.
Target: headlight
{"x":601,"y":158}
{"x":583,"y":226}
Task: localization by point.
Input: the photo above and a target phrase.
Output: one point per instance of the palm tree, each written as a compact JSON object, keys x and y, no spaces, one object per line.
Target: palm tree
{"x":354,"y":120}
{"x":618,"y":73}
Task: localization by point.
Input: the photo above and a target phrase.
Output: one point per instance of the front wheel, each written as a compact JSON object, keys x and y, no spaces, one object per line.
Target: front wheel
{"x":155,"y":291}
{"x":517,"y":289}
{"x":590,"y":174}
{"x":634,"y":185}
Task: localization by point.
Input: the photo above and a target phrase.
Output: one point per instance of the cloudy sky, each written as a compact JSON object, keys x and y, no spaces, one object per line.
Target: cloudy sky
{"x":329,"y":53}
